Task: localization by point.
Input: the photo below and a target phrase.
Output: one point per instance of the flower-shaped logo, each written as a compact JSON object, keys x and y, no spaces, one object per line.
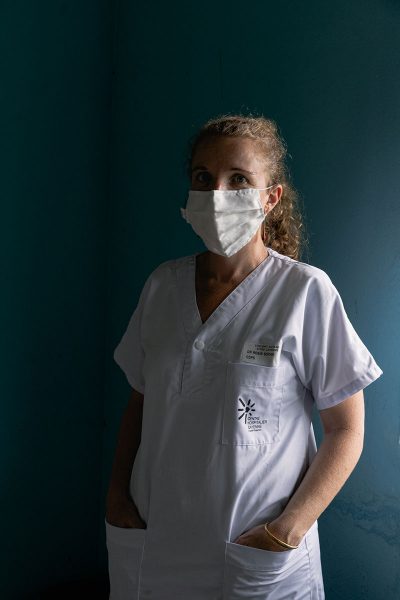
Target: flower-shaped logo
{"x":246,"y":409}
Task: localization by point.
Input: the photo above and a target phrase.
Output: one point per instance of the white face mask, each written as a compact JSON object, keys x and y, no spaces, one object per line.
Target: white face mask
{"x":226,"y":220}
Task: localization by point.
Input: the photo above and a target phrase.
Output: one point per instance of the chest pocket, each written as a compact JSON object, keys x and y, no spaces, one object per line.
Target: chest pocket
{"x":252,"y":404}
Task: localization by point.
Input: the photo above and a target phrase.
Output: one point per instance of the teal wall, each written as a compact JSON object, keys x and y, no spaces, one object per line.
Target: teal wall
{"x":98,"y":102}
{"x":328,"y":73}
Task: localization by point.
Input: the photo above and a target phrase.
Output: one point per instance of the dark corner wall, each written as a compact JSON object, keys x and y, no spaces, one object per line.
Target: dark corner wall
{"x":55,"y":110}
{"x":97,"y":103}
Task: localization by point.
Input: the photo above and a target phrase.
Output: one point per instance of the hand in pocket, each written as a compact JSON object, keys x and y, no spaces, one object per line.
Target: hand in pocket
{"x":257,"y":537}
{"x":122,"y":512}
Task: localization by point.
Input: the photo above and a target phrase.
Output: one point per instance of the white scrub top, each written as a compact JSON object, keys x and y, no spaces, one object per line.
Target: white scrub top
{"x":226,"y":430}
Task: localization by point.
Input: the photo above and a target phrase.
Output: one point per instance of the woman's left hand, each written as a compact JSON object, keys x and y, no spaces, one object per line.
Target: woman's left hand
{"x":257,"y":537}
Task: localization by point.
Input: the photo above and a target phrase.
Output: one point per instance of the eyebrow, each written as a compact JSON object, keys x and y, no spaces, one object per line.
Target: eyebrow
{"x":231,"y":169}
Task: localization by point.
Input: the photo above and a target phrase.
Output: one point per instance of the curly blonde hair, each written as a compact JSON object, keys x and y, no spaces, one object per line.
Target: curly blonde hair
{"x":284,"y":225}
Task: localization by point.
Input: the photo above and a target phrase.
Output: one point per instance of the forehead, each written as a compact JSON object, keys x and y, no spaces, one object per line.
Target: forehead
{"x":220,"y":151}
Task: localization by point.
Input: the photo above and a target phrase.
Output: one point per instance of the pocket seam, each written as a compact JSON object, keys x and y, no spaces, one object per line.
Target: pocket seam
{"x":278,"y":372}
{"x":269,"y":569}
{"x":115,"y":530}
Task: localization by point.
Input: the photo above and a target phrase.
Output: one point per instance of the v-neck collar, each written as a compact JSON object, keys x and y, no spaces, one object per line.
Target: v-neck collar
{"x":227,"y":309}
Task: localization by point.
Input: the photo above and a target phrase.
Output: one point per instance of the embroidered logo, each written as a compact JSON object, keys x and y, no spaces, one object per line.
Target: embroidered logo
{"x":246,"y":410}
{"x":252,"y":421}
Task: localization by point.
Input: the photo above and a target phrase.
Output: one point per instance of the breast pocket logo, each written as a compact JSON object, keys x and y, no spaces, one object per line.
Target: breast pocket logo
{"x":252,"y":421}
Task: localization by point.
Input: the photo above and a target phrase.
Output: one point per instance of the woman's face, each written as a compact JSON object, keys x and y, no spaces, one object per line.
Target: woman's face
{"x":231,"y":163}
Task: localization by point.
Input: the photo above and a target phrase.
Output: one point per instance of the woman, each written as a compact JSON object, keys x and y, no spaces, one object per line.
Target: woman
{"x":217,"y":484}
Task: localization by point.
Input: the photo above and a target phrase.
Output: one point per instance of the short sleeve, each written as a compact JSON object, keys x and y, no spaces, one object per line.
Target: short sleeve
{"x":334,"y":362}
{"x":129,"y":354}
